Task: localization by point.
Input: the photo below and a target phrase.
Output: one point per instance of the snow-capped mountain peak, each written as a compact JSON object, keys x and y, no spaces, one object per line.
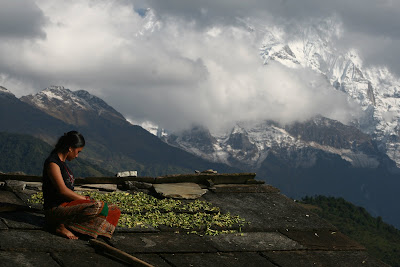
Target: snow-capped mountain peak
{"x":53,"y":92}
{"x":237,"y":129}
{"x":58,"y":94}
{"x":374,"y":88}
{"x":72,"y":106}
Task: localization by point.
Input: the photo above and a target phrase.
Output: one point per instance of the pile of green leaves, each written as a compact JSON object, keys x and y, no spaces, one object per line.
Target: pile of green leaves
{"x":142,"y":210}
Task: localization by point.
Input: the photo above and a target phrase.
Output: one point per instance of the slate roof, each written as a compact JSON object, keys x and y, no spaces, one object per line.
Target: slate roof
{"x":281,"y":233}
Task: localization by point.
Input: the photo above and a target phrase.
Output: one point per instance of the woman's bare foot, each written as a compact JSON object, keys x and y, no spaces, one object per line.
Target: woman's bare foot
{"x":64,"y":232}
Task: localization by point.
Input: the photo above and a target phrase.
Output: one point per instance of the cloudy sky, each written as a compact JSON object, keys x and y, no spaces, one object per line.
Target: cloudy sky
{"x":178,"y":62}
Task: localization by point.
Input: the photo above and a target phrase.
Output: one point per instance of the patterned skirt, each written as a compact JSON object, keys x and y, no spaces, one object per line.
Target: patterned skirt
{"x":87,"y":217}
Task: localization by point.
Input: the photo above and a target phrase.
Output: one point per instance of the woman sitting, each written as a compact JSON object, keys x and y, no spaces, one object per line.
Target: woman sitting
{"x":66,"y":210}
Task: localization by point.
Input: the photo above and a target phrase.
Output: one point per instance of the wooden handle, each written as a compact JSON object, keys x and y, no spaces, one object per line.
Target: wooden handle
{"x":118,"y":253}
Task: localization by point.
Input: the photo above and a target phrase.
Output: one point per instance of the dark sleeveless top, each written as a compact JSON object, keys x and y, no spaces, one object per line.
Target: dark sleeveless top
{"x":52,"y":197}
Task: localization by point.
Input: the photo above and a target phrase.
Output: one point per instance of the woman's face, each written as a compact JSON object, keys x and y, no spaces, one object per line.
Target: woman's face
{"x":73,"y":153}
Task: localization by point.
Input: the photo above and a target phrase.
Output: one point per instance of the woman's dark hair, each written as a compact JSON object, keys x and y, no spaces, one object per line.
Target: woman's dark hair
{"x":71,"y":139}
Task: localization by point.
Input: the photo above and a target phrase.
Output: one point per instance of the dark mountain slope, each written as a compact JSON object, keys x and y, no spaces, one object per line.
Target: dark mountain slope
{"x":318,"y":156}
{"x":27,"y":154}
{"x":19,"y":117}
{"x":381,"y":239}
{"x":376,"y":189}
{"x":111,"y":141}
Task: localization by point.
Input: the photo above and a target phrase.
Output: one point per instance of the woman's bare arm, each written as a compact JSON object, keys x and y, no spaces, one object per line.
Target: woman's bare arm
{"x":57,"y":180}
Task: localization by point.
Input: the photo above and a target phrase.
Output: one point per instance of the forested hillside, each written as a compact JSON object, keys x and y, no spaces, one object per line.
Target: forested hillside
{"x":27,"y":154}
{"x":381,"y":239}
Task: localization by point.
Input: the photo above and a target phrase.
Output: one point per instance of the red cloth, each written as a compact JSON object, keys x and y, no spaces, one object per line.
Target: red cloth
{"x":84,"y":216}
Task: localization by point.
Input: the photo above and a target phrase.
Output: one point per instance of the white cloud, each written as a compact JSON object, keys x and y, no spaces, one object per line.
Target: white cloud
{"x":173,"y":73}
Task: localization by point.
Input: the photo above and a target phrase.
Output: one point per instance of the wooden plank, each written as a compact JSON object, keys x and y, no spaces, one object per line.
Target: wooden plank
{"x":26,"y":178}
{"x":200,"y":178}
{"x":98,"y":245}
{"x":79,"y":181}
{"x":112,"y":180}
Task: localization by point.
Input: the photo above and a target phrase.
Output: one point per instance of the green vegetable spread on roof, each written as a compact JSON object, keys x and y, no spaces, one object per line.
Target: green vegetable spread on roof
{"x":142,"y":210}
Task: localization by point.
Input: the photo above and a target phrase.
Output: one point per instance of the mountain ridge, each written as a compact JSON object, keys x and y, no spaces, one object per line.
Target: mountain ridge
{"x":338,"y":166}
{"x":112,"y":142}
{"x":77,"y":107}
{"x":374,"y":88}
